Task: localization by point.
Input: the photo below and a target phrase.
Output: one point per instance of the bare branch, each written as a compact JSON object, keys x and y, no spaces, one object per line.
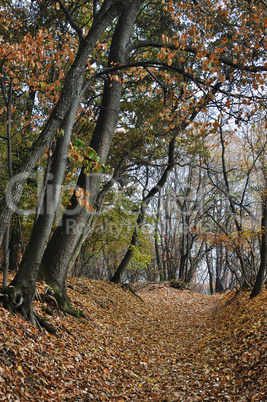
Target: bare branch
{"x":193,"y":50}
{"x":71,"y":21}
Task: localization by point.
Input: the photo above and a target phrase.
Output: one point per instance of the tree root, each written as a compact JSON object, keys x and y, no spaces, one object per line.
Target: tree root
{"x":41,"y":322}
{"x":127,"y":286}
{"x":49,"y":299}
{"x":12,"y":298}
{"x":3,"y":298}
{"x":47,"y":310}
{"x":68,"y":309}
{"x":53,"y":297}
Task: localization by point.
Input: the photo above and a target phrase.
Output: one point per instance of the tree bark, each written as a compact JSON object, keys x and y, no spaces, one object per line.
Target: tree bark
{"x":171,"y":160}
{"x":8,"y":103}
{"x":162,"y":274}
{"x":141,"y":216}
{"x":14,"y":244}
{"x":261,"y":276}
{"x":208,"y":262}
{"x":109,"y":11}
{"x":69,"y":235}
{"x":32,"y":257}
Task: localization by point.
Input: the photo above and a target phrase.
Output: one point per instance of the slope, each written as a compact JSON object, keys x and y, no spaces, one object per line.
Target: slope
{"x":172,"y":346}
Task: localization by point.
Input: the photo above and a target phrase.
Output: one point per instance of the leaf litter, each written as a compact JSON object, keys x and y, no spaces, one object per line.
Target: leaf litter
{"x":173,"y":345}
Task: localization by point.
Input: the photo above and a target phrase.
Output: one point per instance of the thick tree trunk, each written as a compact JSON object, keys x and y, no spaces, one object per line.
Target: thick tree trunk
{"x":6,"y":257}
{"x":41,"y":230}
{"x":14,"y":245}
{"x":261,"y":276}
{"x":69,"y":235}
{"x":109,"y":11}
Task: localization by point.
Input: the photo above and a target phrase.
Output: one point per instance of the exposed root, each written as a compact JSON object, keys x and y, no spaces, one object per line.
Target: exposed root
{"x":41,"y":322}
{"x":68,"y":309}
{"x":127,"y":286}
{"x":57,"y":301}
{"x":47,"y":310}
{"x":19,"y":303}
{"x":49,"y":299}
{"x":3,"y":298}
{"x":13,"y":299}
{"x":38,"y":325}
{"x":63,"y":303}
{"x":67,"y":330}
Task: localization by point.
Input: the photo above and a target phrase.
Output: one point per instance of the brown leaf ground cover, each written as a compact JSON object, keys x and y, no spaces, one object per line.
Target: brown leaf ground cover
{"x":173,"y":346}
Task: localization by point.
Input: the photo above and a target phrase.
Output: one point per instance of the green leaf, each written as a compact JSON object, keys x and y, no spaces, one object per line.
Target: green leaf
{"x":78,"y":143}
{"x":91,"y":154}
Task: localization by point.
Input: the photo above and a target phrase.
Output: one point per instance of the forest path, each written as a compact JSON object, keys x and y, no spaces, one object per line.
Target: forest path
{"x":184,"y":322}
{"x":174,"y":346}
{"x":210,"y":348}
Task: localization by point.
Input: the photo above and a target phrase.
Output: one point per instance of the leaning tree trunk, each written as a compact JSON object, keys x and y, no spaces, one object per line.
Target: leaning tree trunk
{"x":109,"y":11}
{"x":68,"y":236}
{"x":141,"y":216}
{"x":97,"y":208}
{"x":26,"y":276}
{"x":8,"y":103}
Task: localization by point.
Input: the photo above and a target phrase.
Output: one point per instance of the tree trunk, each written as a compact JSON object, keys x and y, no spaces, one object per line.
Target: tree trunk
{"x":183,"y":257}
{"x":208,"y":262}
{"x":14,"y":244}
{"x":171,"y":160}
{"x":157,"y":250}
{"x":8,"y":103}
{"x":70,"y":233}
{"x":41,"y":230}
{"x":261,"y":276}
{"x":218,"y":281}
{"x":141,"y":216}
{"x":109,"y":11}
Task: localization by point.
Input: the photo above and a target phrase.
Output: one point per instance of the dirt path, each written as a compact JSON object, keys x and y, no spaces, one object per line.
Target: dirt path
{"x":212,"y":348}
{"x":183,"y":320}
{"x":175,"y":346}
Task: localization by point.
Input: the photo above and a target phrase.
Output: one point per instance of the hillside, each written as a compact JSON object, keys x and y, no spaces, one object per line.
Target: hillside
{"x":172,"y":346}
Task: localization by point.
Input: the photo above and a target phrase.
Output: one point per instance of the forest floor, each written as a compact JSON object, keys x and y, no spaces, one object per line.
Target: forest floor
{"x":173,"y":345}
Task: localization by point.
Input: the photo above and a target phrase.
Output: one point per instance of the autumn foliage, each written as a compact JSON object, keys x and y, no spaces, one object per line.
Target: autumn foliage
{"x":173,"y":345}
{"x":169,"y":98}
